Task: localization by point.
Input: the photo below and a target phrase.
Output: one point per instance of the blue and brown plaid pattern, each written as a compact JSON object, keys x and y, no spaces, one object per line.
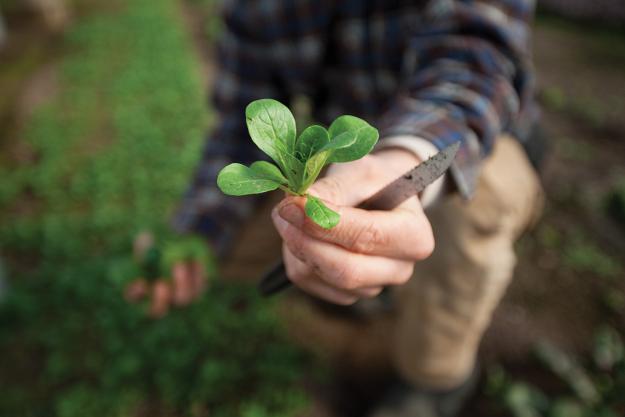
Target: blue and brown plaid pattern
{"x":443,"y":70}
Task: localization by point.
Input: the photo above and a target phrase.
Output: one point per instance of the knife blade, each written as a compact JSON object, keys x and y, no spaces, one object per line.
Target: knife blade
{"x":408,"y":185}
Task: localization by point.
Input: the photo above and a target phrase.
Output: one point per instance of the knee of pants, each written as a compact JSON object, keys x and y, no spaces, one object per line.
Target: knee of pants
{"x":448,"y":304}
{"x":444,"y":313}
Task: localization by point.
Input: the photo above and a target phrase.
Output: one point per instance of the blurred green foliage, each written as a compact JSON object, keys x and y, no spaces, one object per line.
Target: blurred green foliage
{"x":582,"y":255}
{"x":210,"y":9}
{"x":585,"y":388}
{"x":110,"y":155}
{"x":587,"y":110}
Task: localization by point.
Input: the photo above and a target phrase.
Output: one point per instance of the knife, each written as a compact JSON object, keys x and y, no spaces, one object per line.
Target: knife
{"x":389,"y":197}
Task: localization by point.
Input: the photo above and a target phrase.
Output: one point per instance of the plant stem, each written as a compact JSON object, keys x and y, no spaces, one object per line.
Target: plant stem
{"x":289,"y":191}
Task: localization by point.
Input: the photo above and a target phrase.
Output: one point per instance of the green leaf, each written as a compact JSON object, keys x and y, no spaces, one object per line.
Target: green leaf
{"x":237,"y":179}
{"x":293,"y":168}
{"x":310,"y":141}
{"x":272,"y":128}
{"x":320,"y":213}
{"x":365,"y":139}
{"x":342,"y":141}
{"x":315,"y":164}
{"x":323,"y":155}
{"x":312,"y":170}
{"x":269,"y":171}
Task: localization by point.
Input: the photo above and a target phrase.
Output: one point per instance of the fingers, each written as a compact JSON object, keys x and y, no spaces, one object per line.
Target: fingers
{"x":183,"y":284}
{"x":189,"y":282}
{"x":300,"y":274}
{"x":337,"y":189}
{"x":403,"y":233}
{"x":370,"y":174}
{"x":160,"y":295}
{"x":141,"y":244}
{"x":340,"y":268}
{"x":161,"y":299}
{"x":198,"y":278}
{"x":136,"y":290}
{"x":305,"y":278}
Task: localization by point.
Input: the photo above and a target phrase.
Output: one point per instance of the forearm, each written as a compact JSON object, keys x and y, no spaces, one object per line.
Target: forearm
{"x":468,"y":79}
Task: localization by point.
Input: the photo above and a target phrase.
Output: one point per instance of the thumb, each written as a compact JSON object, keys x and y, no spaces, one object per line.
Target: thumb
{"x":347,"y":187}
{"x":403,"y":233}
{"x":351,"y":183}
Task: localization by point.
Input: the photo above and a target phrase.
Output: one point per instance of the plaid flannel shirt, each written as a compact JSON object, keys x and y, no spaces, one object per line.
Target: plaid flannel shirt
{"x":441,"y":70}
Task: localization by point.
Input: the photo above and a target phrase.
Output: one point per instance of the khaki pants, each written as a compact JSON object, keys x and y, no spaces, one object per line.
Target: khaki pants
{"x":431,"y":334}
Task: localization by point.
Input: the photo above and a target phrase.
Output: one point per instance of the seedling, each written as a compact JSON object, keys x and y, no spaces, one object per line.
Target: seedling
{"x":299,"y":160}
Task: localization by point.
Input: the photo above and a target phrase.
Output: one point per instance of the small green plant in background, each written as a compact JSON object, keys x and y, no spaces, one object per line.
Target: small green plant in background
{"x":585,"y":387}
{"x":582,"y":255}
{"x":299,"y":159}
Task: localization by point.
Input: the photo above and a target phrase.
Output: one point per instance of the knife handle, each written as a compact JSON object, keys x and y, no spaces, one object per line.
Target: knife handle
{"x":274,"y":281}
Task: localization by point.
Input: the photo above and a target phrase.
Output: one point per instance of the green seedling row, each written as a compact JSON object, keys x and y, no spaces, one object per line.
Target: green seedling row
{"x":110,"y":154}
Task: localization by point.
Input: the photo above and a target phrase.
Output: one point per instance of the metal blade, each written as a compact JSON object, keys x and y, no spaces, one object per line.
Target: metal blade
{"x":413,"y":181}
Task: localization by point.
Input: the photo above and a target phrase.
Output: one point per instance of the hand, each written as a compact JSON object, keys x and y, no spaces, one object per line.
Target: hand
{"x":187,"y":285}
{"x":187,"y":282}
{"x":367,"y":250}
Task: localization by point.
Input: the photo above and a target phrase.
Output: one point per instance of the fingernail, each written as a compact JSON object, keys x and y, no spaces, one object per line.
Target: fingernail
{"x":292,"y":214}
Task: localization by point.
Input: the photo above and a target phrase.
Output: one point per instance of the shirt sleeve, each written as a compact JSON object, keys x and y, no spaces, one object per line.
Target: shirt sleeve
{"x":247,"y":71}
{"x":467,"y":78}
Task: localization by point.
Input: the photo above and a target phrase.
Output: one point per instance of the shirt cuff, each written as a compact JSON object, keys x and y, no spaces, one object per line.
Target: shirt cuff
{"x":422,"y":149}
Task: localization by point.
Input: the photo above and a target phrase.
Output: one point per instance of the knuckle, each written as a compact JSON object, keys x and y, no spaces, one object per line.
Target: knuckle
{"x":424,"y":248}
{"x":297,"y":247}
{"x":367,"y":238}
{"x":296,"y":273}
{"x":371,"y":166}
{"x":427,"y":248}
{"x":291,"y":272}
{"x":329,"y":188}
{"x":422,"y":238}
{"x":406,"y":273}
{"x":298,"y":276}
{"x":315,"y":269}
{"x":346,"y":276}
{"x":303,"y":272}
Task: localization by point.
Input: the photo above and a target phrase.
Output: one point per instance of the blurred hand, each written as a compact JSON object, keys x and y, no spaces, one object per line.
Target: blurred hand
{"x":187,"y":283}
{"x":367,"y":250}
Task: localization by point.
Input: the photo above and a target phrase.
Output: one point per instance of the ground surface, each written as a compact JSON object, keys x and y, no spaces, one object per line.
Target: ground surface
{"x":557,"y":299}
